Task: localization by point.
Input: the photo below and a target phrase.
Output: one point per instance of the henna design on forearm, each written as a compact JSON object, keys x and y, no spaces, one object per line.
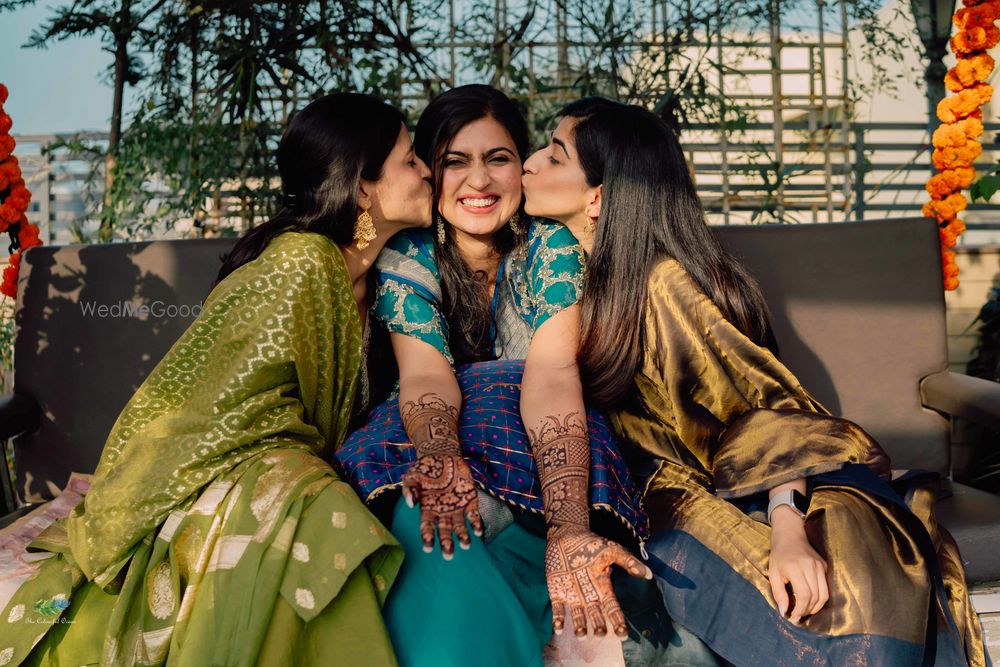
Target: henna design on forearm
{"x":562,"y":453}
{"x":432,"y":425}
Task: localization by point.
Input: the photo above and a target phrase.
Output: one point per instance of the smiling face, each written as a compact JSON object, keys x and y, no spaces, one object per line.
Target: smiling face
{"x":480,"y":179}
{"x":401,"y":197}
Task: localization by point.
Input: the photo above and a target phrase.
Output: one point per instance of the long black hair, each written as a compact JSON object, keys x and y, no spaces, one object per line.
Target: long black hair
{"x":465,"y":292}
{"x":327,"y":148}
{"x":650,"y":210}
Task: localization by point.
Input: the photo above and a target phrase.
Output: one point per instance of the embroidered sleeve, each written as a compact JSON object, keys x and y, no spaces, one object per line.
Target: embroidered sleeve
{"x":408,"y":291}
{"x":555,"y":270}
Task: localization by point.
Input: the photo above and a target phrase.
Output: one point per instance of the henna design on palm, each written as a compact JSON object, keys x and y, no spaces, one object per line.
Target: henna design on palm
{"x":442,"y":485}
{"x":577,"y":562}
{"x":439,"y":480}
{"x":578,"y":572}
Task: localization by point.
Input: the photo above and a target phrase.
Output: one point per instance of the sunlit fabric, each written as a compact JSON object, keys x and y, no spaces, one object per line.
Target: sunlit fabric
{"x":715,"y":422}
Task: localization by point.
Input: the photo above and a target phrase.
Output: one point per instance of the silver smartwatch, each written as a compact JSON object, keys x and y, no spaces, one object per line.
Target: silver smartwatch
{"x":789,"y":497}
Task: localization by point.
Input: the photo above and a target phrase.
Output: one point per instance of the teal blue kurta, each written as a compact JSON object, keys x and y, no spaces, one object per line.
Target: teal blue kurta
{"x":488,"y":606}
{"x":537,"y":280}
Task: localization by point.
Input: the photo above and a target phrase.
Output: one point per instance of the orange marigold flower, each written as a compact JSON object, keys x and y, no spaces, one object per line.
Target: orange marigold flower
{"x":28,"y":234}
{"x":7,"y":144}
{"x":951,"y":284}
{"x":981,"y":14}
{"x":948,"y":134}
{"x":957,"y":226}
{"x":956,"y":107}
{"x":969,"y":71}
{"x":971,"y":127}
{"x":974,"y":38}
{"x":957,"y":133}
{"x":953,"y":158}
{"x":956,"y":201}
{"x":10,"y":213}
{"x":945,"y":209}
{"x":10,"y":167}
{"x":941,"y":185}
{"x":5,"y":123}
{"x":9,"y":284}
{"x":3,"y":93}
{"x":972,"y":70}
{"x":965,"y":176}
{"x":948,"y":238}
{"x":18,"y":190}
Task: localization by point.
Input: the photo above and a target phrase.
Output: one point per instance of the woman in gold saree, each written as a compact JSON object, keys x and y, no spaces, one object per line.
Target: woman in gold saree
{"x":847,"y":566}
{"x":213,"y":531}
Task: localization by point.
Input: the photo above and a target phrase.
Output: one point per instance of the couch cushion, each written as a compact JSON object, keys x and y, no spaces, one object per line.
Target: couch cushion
{"x":858,"y":310}
{"x":973,"y":519}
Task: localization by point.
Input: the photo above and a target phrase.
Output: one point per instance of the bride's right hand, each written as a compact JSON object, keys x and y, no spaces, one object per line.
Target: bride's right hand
{"x":442,"y":485}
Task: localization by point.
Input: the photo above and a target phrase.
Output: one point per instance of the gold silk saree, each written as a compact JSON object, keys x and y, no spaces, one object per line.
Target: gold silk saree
{"x":715,"y":422}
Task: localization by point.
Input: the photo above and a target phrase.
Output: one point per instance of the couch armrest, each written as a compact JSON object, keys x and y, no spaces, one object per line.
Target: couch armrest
{"x":18,"y":413}
{"x":963,"y":396}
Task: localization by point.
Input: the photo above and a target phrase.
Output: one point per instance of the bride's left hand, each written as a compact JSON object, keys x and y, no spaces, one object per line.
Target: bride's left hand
{"x":578,"y":571}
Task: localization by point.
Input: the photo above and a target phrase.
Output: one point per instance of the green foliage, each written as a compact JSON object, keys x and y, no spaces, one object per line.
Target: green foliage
{"x":986,"y":186}
{"x":217,"y":81}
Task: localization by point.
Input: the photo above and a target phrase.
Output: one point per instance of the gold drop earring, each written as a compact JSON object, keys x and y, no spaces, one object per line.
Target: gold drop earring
{"x":439,"y":224}
{"x":591,"y":225}
{"x":364,"y":230}
{"x":514,"y":223}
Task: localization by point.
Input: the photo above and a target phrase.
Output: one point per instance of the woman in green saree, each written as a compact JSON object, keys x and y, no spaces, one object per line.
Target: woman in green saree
{"x":213,"y":531}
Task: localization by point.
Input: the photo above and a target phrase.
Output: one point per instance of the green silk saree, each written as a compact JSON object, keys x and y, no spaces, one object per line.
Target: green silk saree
{"x":214,"y":532}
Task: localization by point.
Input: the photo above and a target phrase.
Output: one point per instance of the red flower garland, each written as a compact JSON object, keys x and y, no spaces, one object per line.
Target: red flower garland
{"x":14,"y":199}
{"x":956,"y":144}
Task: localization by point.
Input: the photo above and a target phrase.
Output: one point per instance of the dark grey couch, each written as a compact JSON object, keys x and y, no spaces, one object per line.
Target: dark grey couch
{"x":858,"y":310}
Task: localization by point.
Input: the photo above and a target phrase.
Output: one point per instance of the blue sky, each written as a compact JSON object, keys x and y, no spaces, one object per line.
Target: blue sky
{"x":58,"y":89}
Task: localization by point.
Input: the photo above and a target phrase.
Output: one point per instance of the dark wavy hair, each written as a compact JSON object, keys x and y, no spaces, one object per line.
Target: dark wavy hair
{"x":466,"y":292}
{"x":327,"y":148}
{"x":650,"y":210}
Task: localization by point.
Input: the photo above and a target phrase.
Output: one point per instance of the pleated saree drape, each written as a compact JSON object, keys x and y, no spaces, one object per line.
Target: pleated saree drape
{"x":716,"y":421}
{"x":213,"y":531}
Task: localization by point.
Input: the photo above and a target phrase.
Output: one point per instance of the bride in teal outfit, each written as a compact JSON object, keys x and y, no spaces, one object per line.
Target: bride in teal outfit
{"x":482,"y":316}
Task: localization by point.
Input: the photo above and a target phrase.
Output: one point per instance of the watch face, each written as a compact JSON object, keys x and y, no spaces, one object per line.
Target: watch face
{"x":800,"y":501}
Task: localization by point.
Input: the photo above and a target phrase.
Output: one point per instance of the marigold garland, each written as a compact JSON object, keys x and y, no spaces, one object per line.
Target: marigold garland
{"x":956,"y":141}
{"x":14,"y":200}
